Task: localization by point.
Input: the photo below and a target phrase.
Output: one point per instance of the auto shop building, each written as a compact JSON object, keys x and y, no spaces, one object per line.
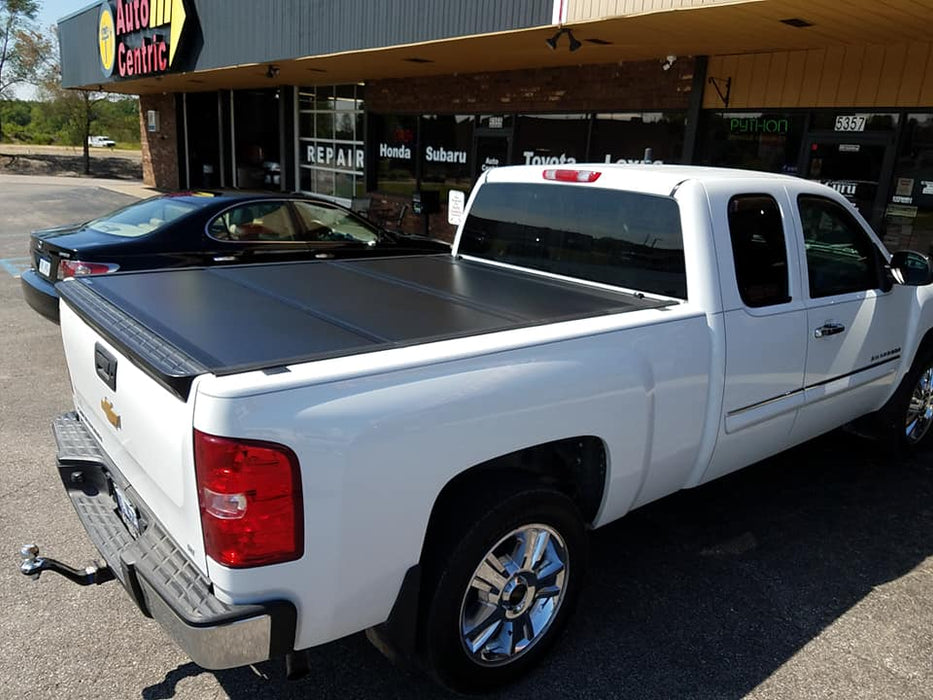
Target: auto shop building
{"x":389,"y":106}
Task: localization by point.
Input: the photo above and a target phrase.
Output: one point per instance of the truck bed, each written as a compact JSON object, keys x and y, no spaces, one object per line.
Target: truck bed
{"x":177,"y":324}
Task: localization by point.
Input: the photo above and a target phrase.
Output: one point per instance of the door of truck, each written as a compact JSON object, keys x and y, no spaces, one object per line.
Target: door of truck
{"x":856,"y":318}
{"x":765,"y":320}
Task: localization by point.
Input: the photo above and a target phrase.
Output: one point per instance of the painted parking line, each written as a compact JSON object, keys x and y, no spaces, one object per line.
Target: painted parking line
{"x":15,"y":266}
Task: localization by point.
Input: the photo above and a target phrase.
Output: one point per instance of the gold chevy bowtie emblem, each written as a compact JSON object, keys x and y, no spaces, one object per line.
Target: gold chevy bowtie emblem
{"x":112,"y":415}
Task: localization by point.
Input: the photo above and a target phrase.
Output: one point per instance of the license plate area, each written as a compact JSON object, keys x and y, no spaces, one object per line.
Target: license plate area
{"x":45,"y":267}
{"x":126,"y":509}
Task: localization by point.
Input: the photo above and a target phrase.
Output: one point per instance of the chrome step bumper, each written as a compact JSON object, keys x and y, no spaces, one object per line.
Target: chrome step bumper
{"x":153,"y":570}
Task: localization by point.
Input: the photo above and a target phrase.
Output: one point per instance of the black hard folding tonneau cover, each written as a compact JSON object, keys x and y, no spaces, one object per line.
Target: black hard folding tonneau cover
{"x":177,"y":324}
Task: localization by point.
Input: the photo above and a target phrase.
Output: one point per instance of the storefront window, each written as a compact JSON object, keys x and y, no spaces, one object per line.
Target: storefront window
{"x":331,"y":141}
{"x":396,"y":153}
{"x":908,"y":217}
{"x":768,"y":141}
{"x":447,"y":141}
{"x":550,"y":139}
{"x":626,"y":137}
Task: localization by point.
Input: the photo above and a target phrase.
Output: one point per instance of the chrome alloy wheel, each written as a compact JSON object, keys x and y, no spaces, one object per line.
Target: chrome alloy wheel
{"x":920,"y":409}
{"x":514,"y":595}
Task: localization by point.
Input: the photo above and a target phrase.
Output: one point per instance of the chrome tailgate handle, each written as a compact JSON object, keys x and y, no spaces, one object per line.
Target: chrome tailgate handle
{"x":828,"y":329}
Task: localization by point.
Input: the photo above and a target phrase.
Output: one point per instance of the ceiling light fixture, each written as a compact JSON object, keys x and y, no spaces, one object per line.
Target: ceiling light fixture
{"x":574,"y":44}
{"x":272,"y":71}
{"x":553,"y":41}
{"x":668,"y":62}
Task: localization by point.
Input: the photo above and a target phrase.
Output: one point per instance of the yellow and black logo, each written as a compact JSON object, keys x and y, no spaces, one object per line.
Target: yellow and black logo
{"x":139,"y":37}
{"x":107,"y":38}
{"x":170,"y":12}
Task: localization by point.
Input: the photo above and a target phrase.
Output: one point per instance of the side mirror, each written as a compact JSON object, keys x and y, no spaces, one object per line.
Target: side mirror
{"x":911,"y":269}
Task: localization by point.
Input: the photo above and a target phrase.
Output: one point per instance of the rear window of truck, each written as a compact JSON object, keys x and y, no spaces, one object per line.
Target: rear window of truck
{"x":626,"y":239}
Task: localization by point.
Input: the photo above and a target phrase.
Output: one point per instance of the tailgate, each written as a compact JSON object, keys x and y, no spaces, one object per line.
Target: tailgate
{"x":142,"y":424}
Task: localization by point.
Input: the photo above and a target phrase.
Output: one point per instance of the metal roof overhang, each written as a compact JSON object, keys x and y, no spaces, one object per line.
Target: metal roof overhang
{"x":746,"y":26}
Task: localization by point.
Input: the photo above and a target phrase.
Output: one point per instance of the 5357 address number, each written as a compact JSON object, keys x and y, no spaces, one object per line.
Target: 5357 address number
{"x":850,"y":123}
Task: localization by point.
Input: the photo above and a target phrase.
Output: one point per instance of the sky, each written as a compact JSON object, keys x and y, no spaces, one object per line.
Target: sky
{"x":50,"y":11}
{"x":53,"y":10}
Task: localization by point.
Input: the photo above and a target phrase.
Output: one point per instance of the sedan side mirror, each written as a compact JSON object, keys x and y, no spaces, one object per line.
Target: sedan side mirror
{"x":911,"y":269}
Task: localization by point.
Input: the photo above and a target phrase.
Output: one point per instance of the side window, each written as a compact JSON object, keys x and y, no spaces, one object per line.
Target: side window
{"x":256,"y":221}
{"x":759,"y":251}
{"x":841,"y":257}
{"x":323,"y":223}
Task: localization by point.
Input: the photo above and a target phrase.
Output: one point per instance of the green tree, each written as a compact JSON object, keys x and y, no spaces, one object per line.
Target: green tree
{"x":73,"y":110}
{"x":17,"y":64}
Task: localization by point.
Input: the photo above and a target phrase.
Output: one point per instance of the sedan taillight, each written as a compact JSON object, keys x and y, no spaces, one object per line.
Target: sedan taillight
{"x":76,"y":268}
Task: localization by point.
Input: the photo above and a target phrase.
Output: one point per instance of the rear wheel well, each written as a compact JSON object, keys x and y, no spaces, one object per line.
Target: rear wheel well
{"x":575,"y":466}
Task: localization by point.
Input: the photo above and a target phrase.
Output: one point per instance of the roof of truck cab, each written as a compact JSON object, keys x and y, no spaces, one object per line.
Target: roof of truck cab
{"x":649,"y":178}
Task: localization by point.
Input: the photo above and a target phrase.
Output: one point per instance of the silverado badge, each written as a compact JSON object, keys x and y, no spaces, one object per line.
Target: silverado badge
{"x":112,"y":415}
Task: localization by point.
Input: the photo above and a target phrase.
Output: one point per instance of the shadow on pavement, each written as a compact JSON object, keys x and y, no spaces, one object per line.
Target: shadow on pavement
{"x":102,"y":165}
{"x":706,"y":593}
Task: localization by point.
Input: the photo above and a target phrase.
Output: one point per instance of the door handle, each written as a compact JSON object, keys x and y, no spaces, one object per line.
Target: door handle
{"x":105,"y":365}
{"x":828,"y":329}
{"x":224,"y":258}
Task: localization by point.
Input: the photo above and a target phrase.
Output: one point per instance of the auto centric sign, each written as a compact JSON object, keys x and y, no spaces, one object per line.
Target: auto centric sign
{"x":139,"y":37}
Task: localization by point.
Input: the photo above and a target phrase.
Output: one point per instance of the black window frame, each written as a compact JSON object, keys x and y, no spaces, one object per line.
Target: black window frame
{"x":594,"y":248}
{"x":746,"y":278}
{"x":873,"y":254}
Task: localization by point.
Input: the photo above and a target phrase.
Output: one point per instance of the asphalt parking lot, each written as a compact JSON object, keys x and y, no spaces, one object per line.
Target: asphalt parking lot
{"x":807,"y":576}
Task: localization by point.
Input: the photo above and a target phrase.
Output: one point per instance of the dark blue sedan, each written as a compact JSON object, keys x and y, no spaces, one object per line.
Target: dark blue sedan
{"x":211,"y":228}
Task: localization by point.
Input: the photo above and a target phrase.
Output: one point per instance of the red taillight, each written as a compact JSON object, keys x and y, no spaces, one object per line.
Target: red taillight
{"x":250,"y":497}
{"x":561,"y":175}
{"x":76,"y":268}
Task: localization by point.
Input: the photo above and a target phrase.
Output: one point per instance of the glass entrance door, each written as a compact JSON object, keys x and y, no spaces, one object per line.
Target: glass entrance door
{"x":491,"y":152}
{"x":203,"y":140}
{"x":854,"y":167}
{"x":257,"y":139}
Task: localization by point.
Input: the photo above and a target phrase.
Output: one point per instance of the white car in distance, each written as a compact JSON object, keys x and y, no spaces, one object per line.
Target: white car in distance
{"x":101,"y":142}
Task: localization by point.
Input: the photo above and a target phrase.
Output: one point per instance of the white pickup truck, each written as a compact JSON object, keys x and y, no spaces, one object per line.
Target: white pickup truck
{"x":271,"y":457}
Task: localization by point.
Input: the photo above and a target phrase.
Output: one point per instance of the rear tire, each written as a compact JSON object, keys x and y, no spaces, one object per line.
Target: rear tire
{"x":501,"y":586}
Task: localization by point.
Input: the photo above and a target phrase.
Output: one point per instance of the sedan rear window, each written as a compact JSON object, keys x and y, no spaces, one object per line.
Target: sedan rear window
{"x":143,"y":217}
{"x":626,"y":239}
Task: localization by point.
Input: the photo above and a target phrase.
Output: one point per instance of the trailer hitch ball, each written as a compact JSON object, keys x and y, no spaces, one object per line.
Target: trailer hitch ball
{"x":32,"y":564}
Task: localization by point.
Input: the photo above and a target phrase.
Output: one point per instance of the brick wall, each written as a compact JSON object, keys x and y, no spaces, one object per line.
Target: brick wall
{"x":160,"y":148}
{"x":623,"y":86}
